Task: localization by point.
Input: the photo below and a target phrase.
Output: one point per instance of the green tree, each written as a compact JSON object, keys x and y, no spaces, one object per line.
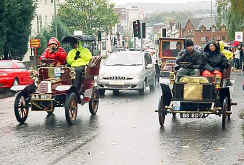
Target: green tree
{"x":231,"y":12}
{"x":88,"y":15}
{"x":2,"y":27}
{"x":18,"y":15}
{"x":46,"y":34}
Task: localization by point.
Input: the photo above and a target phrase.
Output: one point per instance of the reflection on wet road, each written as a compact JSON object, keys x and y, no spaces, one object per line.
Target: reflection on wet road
{"x":125,"y":132}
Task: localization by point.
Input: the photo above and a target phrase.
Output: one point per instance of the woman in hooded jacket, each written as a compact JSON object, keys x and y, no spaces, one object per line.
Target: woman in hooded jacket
{"x":215,"y":61}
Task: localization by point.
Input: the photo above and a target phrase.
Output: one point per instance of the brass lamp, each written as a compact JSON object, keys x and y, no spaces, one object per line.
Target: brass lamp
{"x":217,"y":81}
{"x":172,"y":77}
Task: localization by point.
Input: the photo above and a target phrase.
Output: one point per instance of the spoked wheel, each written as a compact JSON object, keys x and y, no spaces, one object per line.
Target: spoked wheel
{"x":93,"y":104}
{"x":224,"y":109}
{"x":161,"y":112}
{"x":21,"y":107}
{"x":71,"y":107}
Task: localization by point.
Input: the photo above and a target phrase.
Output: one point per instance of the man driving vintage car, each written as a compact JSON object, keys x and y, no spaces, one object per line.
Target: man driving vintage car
{"x":190,"y":61}
{"x":78,"y":58}
{"x":54,"y":52}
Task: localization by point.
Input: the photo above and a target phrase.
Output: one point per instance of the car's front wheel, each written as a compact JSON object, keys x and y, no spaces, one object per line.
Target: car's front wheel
{"x":143,"y":89}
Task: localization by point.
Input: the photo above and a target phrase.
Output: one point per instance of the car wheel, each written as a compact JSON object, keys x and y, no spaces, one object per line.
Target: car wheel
{"x":102,"y":92}
{"x":71,"y":107}
{"x":142,"y":91}
{"x":152,"y":86}
{"x":16,"y":82}
{"x":116,"y":92}
{"x":93,"y":104}
{"x":21,"y":107}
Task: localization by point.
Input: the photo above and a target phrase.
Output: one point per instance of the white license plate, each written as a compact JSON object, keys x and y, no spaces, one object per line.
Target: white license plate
{"x":116,"y":83}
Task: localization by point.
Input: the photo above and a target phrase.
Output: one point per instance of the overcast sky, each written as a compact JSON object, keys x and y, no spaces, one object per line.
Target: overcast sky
{"x":118,"y":2}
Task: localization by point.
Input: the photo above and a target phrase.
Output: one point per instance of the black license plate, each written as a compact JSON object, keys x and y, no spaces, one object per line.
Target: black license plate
{"x":191,"y":115}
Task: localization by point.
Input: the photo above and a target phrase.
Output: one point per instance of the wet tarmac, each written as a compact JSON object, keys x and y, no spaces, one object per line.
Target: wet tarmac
{"x":124,"y":132}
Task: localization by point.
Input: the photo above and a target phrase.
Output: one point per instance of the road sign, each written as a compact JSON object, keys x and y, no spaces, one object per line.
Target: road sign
{"x":239,"y":36}
{"x":35,"y":43}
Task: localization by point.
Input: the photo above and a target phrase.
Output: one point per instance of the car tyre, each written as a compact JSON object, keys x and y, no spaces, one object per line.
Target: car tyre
{"x":71,"y":107}
{"x":93,"y":104}
{"x":142,"y":91}
{"x":21,"y":107}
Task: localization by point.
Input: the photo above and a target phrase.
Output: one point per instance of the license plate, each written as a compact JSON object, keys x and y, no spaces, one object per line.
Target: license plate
{"x":191,"y":115}
{"x":116,"y":83}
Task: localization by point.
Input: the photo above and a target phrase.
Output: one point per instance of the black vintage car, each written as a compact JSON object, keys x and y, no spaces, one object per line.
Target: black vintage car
{"x":195,"y":97}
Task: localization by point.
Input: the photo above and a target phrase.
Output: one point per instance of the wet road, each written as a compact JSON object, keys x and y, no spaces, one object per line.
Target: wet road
{"x":124,"y":132}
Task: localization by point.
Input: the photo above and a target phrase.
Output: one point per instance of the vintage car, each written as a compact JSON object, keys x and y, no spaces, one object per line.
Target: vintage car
{"x":13,"y":72}
{"x":53,"y":88}
{"x":195,"y":97}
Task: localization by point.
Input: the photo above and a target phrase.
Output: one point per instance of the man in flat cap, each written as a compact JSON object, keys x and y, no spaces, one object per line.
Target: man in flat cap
{"x":191,"y":61}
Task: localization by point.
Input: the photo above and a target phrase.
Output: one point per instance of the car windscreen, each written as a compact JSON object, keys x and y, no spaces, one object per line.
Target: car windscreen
{"x":124,"y":60}
{"x":6,"y":64}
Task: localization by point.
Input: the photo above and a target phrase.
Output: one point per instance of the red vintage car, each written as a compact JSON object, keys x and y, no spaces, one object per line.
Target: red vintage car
{"x":13,"y":72}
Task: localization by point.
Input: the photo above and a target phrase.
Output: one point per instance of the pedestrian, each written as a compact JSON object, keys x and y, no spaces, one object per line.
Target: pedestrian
{"x":157,"y":69}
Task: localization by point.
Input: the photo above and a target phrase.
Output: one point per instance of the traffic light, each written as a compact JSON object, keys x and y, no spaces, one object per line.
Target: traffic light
{"x":163,"y":32}
{"x":115,"y":41}
{"x":143,"y":30}
{"x":136,"y":28}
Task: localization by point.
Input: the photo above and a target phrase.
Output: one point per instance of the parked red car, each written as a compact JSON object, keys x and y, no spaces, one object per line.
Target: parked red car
{"x":13,"y":72}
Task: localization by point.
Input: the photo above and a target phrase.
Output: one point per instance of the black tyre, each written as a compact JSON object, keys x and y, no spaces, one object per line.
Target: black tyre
{"x":152,"y":86}
{"x":102,"y":92}
{"x":143,"y":90}
{"x":16,"y":82}
{"x":116,"y":92}
{"x":71,"y":107}
{"x":93,"y":104}
{"x":224,"y":109}
{"x":21,"y":107}
{"x":161,"y":112}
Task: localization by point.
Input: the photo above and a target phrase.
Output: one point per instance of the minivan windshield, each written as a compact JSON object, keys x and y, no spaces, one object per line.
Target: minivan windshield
{"x":124,"y":60}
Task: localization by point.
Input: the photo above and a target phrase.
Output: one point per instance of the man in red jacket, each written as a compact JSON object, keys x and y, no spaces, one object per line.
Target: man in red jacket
{"x":55,"y":52}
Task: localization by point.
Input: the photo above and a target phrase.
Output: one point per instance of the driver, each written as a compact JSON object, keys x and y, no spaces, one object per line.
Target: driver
{"x":54,"y":52}
{"x":78,"y":58}
{"x":191,"y":56}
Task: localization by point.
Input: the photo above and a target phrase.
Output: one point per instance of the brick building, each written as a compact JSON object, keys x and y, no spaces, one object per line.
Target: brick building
{"x":202,"y":30}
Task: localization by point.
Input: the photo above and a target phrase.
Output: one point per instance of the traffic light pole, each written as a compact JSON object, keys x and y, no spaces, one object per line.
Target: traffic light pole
{"x":141,"y":37}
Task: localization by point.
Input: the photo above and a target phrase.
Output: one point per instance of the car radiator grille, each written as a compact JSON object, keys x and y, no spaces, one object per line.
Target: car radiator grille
{"x":43,"y":87}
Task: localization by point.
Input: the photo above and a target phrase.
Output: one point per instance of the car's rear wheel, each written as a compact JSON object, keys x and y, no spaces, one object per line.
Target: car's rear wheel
{"x":224,"y":110}
{"x":161,"y":112}
{"x":16,"y":82}
{"x":21,"y":107}
{"x":93,"y":104}
{"x":71,"y":107}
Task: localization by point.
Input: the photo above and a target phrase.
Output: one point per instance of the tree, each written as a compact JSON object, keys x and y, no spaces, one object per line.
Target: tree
{"x":230,"y":12}
{"x":18,"y":15}
{"x":46,"y":34}
{"x":2,"y":26}
{"x":88,"y":15}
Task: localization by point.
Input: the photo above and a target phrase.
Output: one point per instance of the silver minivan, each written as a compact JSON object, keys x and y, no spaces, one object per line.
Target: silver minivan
{"x":127,"y":70}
